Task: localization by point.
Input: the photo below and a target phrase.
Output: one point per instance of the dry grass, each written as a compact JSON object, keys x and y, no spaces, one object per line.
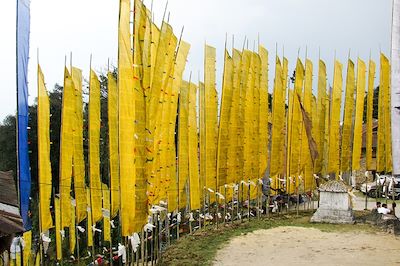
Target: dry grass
{"x":201,"y":247}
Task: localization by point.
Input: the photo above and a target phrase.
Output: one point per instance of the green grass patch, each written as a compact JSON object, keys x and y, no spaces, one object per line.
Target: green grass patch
{"x":201,"y":247}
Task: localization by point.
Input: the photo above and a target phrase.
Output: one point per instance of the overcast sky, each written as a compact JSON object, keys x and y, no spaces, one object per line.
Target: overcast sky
{"x":59,"y":27}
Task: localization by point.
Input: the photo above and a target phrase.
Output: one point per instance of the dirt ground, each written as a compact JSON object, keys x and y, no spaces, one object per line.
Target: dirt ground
{"x":309,"y":246}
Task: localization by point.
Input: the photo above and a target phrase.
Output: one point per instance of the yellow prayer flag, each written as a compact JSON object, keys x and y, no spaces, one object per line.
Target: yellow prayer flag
{"x":306,"y":160}
{"x":113,"y":142}
{"x":263,"y":111}
{"x":66,"y":148}
{"x":321,"y":115}
{"x":37,"y":259}
{"x":348,"y":119}
{"x":94,"y":146}
{"x":296,"y":123}
{"x":57,"y":214}
{"x":183,"y":145}
{"x":358,"y":120}
{"x":156,"y":188}
{"x":18,"y":261}
{"x":202,"y":139}
{"x":141,"y":206}
{"x":155,"y":38}
{"x":194,"y":182}
{"x":334,"y":129}
{"x":277,"y":125}
{"x":223,"y":132}
{"x":285,"y":70}
{"x":27,"y":248}
{"x":370,"y":107}
{"x":388,"y":120}
{"x":106,"y":213}
{"x":211,"y":120}
{"x":142,"y":70}
{"x":289,"y":187}
{"x":177,"y":81}
{"x":161,"y":139}
{"x":126,"y":120}
{"x":72,"y":229}
{"x":89,"y":223}
{"x":79,"y":161}
{"x":384,"y":151}
{"x":248,"y":120}
{"x":147,"y":44}
{"x":255,"y":130}
{"x":328,"y":105}
{"x":44,"y":165}
{"x":233,"y":158}
{"x":315,"y":134}
{"x":244,"y":81}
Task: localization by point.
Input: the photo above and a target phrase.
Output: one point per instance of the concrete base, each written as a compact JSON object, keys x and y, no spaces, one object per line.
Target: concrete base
{"x":333,"y":216}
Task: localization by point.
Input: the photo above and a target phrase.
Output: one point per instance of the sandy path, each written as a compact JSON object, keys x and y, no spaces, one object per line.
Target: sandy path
{"x":309,"y":246}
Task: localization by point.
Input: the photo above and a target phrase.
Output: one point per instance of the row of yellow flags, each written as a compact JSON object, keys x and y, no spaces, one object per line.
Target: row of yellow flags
{"x":152,"y":163}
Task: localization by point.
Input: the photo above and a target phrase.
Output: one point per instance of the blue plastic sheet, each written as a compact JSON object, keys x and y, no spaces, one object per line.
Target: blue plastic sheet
{"x":23,"y":25}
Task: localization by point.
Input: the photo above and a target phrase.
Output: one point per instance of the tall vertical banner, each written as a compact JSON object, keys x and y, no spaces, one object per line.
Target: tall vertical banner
{"x":193,"y":143}
{"x":277,"y":126}
{"x":180,"y":64}
{"x":66,"y":148}
{"x":154,"y":122}
{"x":305,"y":155}
{"x":263,"y":112}
{"x":296,"y":123}
{"x":27,"y":248}
{"x":384,"y":147}
{"x":395,"y":88}
{"x":106,"y":212}
{"x":289,"y":122}
{"x":126,"y":110}
{"x":78,"y":156}
{"x":140,"y":22}
{"x":370,"y":107}
{"x":321,"y":110}
{"x":358,"y":120}
{"x":223,"y":132}
{"x":347,"y":137}
{"x":232,"y":163}
{"x":248,"y":116}
{"x":57,"y":214}
{"x":94,"y":146}
{"x":24,"y":175}
{"x":211,"y":119}
{"x":183,"y":145}
{"x":113,"y":142}
{"x":334,"y":124}
{"x":43,"y":127}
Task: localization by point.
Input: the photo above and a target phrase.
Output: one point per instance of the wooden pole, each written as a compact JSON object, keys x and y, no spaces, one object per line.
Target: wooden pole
{"x":248,"y":199}
{"x":233,"y":202}
{"x":258,"y":200}
{"x":152,"y":241}
{"x":225,"y":206}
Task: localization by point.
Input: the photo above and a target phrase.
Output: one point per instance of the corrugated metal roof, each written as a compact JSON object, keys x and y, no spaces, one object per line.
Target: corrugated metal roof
{"x":8,"y":191}
{"x":10,"y":221}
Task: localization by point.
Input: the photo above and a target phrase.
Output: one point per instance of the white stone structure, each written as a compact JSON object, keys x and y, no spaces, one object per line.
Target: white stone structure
{"x":334,"y":204}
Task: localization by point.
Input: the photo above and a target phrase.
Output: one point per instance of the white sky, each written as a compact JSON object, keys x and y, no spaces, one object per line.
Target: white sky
{"x":59,"y":27}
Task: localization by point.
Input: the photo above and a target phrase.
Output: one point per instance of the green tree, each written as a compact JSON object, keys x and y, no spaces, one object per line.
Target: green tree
{"x":8,"y":155}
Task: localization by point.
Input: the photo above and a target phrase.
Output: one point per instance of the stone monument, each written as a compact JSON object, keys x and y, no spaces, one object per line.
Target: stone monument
{"x":334,"y":204}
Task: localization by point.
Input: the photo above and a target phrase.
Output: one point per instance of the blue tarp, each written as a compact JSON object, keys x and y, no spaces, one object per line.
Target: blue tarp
{"x":23,"y":25}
